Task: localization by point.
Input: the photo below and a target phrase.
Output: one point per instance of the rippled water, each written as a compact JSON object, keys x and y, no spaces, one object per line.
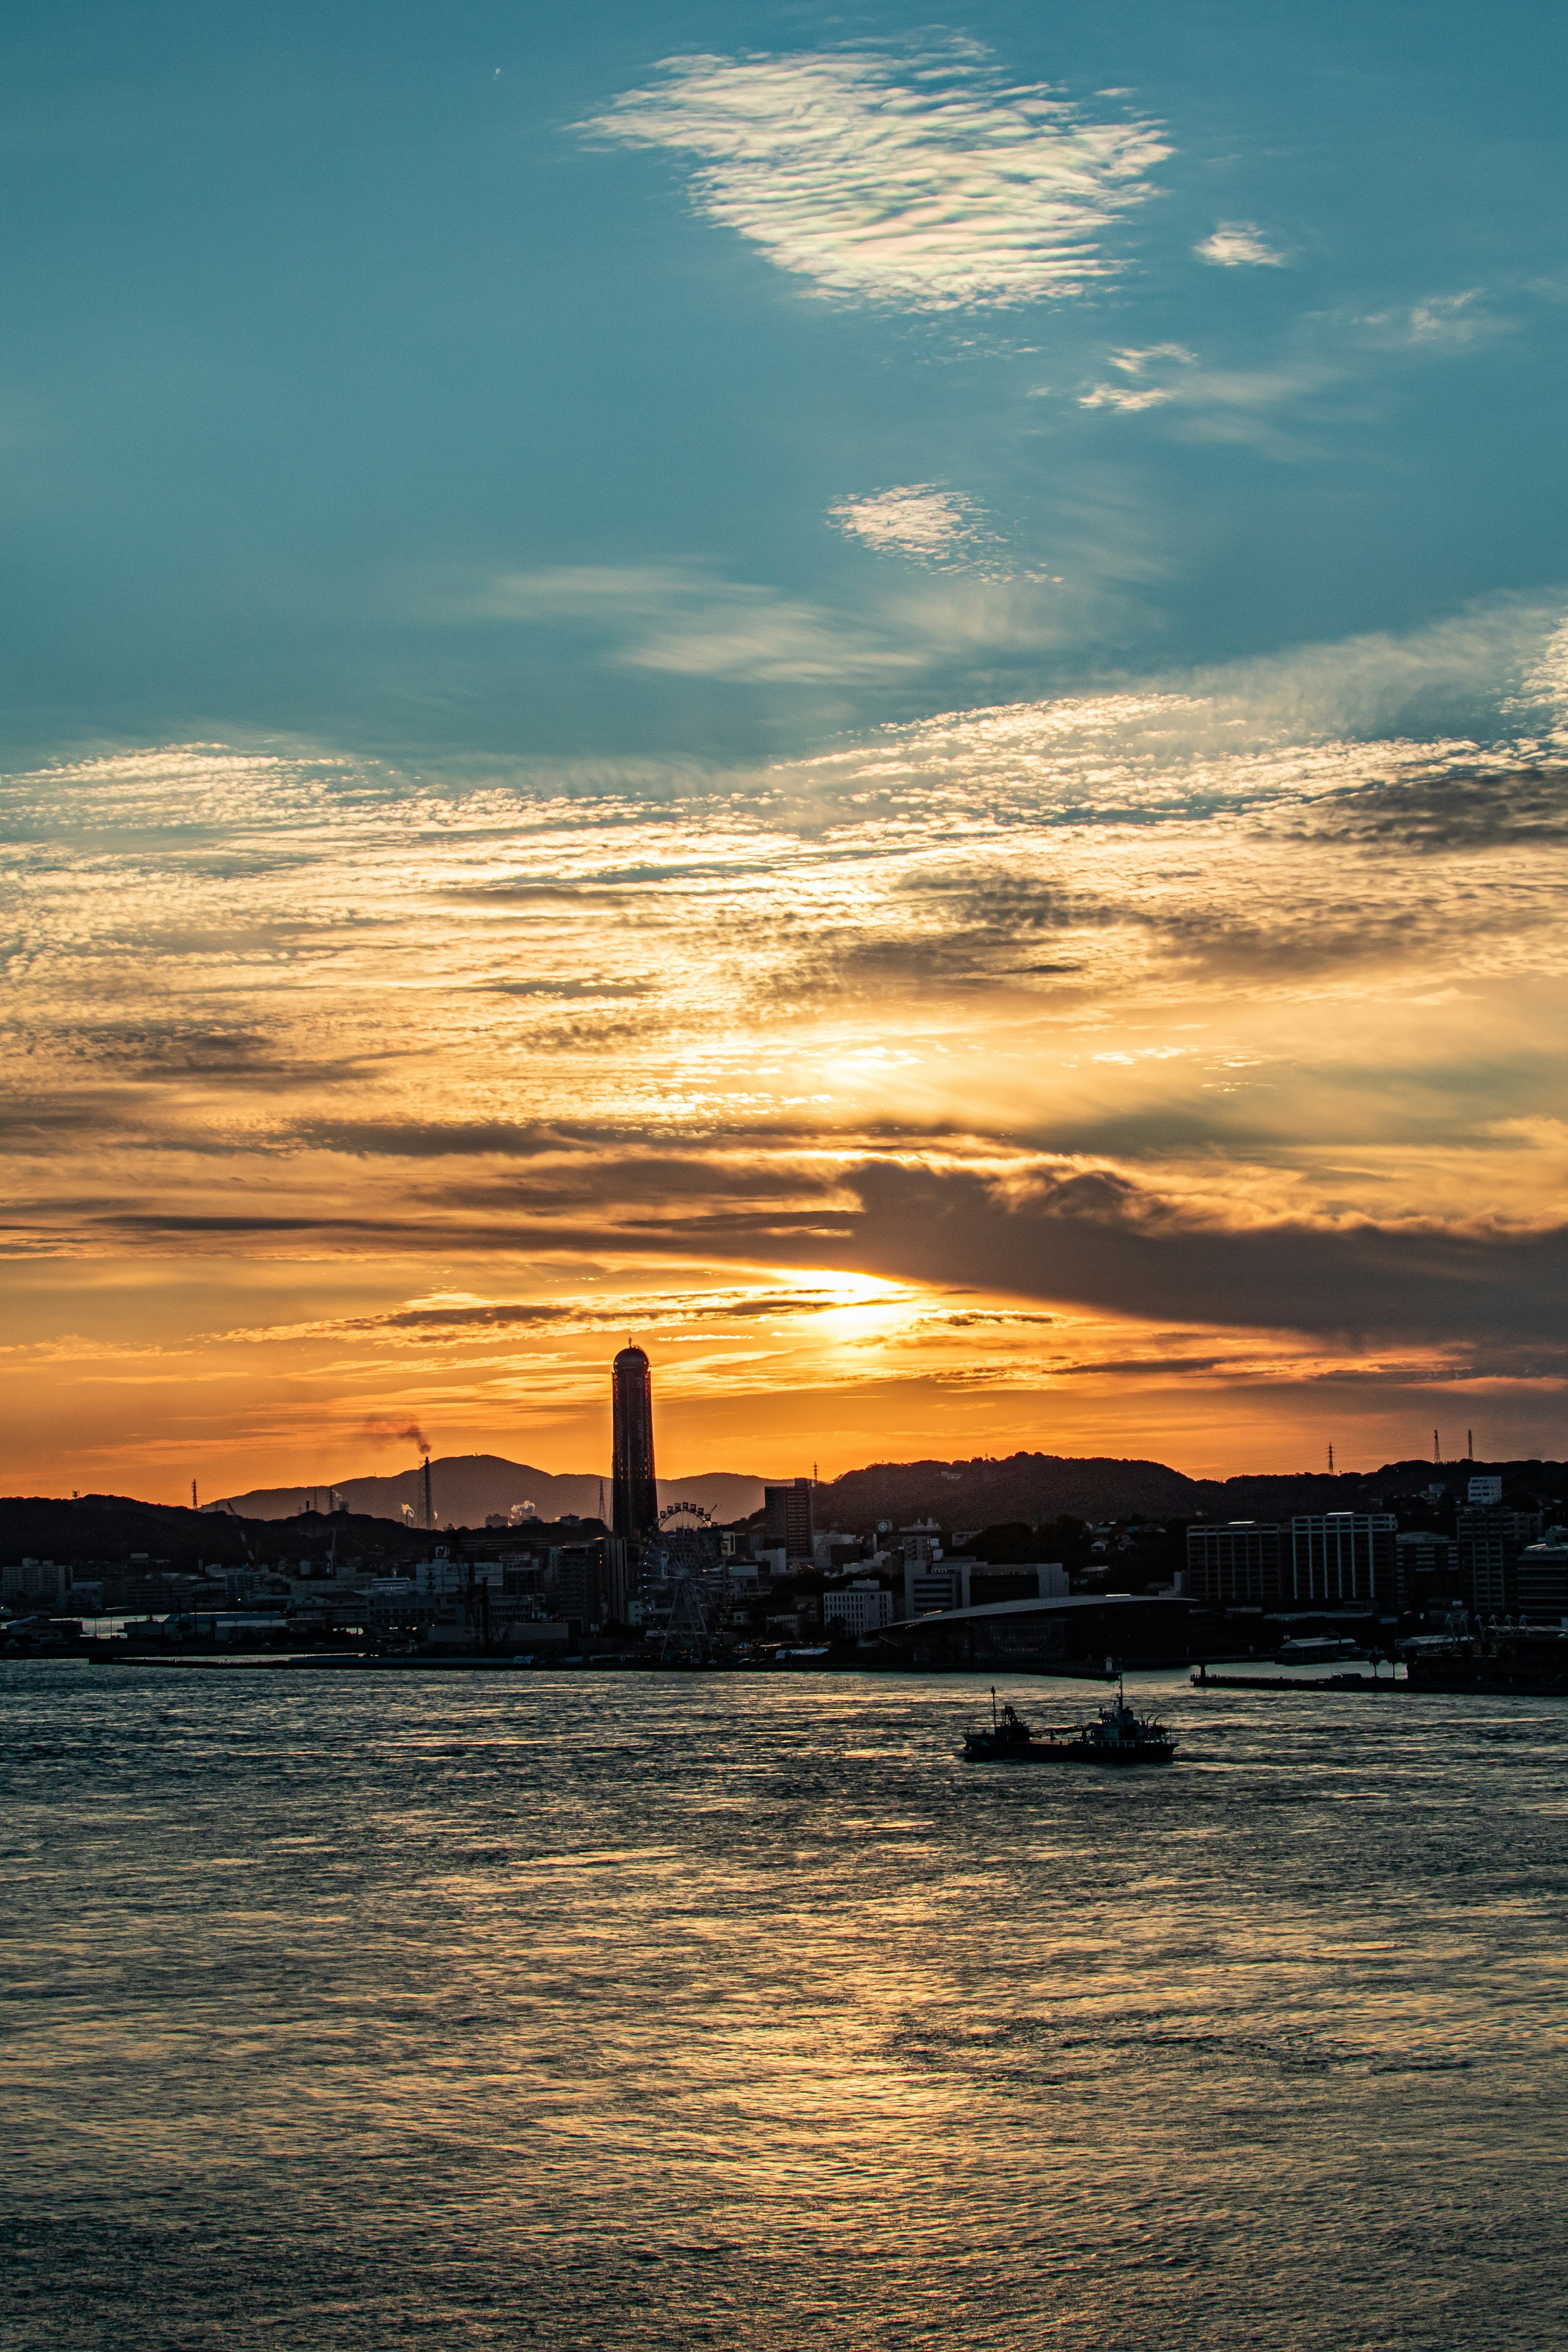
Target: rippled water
{"x":359,"y":2011}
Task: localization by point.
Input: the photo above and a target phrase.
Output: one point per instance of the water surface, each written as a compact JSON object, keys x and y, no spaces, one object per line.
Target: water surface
{"x":350,"y":2010}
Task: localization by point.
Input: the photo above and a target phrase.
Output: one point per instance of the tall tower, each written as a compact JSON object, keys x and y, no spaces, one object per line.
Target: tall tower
{"x":635,"y":1507}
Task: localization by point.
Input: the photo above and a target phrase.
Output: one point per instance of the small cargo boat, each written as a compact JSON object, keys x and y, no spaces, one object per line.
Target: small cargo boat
{"x":1118,"y":1735}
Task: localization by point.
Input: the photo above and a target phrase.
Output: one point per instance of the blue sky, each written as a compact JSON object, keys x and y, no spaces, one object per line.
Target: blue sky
{"x":318,"y":325}
{"x":887,"y":700}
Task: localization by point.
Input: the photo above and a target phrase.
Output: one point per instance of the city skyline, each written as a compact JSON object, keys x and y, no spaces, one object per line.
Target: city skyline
{"x":889,"y":704}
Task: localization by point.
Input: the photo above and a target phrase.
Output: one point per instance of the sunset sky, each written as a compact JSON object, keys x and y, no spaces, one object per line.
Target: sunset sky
{"x":884,"y":704}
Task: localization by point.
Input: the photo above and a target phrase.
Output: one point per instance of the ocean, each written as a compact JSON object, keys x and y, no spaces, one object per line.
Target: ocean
{"x":571,"y":2008}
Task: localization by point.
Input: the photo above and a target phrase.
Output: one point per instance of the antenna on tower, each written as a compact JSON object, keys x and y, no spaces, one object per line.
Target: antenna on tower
{"x":1330,"y":1461}
{"x":195,"y":1505}
{"x":1469,"y":1444}
{"x":1436,"y":1454}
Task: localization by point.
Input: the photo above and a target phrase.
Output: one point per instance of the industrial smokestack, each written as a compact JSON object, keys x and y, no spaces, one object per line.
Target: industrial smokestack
{"x":429,"y":1513}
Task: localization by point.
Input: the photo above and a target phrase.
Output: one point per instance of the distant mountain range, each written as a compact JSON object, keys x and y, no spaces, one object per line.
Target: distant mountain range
{"x":962,"y":1497}
{"x":466,"y":1489}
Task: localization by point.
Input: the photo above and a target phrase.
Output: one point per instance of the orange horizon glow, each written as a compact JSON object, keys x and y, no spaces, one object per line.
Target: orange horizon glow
{"x":911,"y":1109}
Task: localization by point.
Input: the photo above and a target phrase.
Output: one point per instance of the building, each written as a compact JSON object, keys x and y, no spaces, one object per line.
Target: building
{"x":615,"y":1580}
{"x":41,"y":1582}
{"x":592,"y":1583}
{"x":1344,"y":1560}
{"x":931,"y":1586}
{"x":1544,"y":1576}
{"x":1426,"y":1567}
{"x":1490,"y":1539}
{"x":833,"y":1549}
{"x":863,"y":1607}
{"x":1237,"y":1565}
{"x":634,"y":1510}
{"x":1083,"y":1629}
{"x":786,"y":1519}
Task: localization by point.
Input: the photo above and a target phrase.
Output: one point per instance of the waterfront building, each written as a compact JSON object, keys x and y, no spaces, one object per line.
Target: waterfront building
{"x":1426,"y":1567}
{"x":1344,"y":1560}
{"x":592,"y":1583}
{"x":863,"y":1607}
{"x":1236,"y":1565}
{"x":932,"y":1585}
{"x":35,"y":1581}
{"x":1544,"y":1576}
{"x":636,"y":1506}
{"x":614,"y":1579}
{"x":1490,"y":1539}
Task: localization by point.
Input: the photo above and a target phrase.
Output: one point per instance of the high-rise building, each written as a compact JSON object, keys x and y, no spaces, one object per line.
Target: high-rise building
{"x":1236,"y":1565}
{"x":1344,"y":1560}
{"x":1490,"y":1540}
{"x":636,"y":1505}
{"x":591,"y":1583}
{"x":787,"y":1518}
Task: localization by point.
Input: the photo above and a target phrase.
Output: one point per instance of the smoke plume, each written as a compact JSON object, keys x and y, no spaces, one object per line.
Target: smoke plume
{"x":382,"y":1429}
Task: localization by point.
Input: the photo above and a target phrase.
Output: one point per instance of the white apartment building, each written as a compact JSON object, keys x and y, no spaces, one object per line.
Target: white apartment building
{"x":863,"y":1607}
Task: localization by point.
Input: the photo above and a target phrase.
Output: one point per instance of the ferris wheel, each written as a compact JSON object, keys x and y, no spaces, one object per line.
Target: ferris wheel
{"x":685,"y":1514}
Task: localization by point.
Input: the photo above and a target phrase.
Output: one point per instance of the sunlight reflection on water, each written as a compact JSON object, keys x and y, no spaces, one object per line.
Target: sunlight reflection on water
{"x":726,"y":2010}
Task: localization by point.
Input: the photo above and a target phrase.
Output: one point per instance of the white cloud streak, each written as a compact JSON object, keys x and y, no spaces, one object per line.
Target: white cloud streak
{"x":931,"y":187}
{"x":1137,"y":362}
{"x":1122,"y":396}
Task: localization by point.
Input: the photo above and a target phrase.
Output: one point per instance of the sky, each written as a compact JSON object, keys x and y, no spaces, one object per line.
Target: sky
{"x":882,"y":701}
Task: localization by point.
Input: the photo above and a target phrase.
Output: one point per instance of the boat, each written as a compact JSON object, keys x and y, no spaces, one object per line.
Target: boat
{"x":1118,"y":1735}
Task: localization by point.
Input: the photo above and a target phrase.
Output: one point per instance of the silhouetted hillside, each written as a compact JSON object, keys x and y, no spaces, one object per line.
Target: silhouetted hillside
{"x":112,"y":1528}
{"x":1038,"y":1487}
{"x":1029,"y":1489}
{"x":468,"y":1488}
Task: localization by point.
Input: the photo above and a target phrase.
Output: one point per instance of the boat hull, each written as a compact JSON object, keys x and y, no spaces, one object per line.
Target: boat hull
{"x":1071,"y":1751}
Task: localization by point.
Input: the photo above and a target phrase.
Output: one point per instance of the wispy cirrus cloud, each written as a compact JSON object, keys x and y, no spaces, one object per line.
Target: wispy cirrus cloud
{"x":1238,"y":245}
{"x":1440,"y":322}
{"x":1218,"y":403}
{"x":926,"y":182}
{"x":686,"y":619}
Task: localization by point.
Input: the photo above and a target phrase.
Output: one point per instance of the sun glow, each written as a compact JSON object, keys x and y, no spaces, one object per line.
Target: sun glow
{"x":946,"y":1082}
